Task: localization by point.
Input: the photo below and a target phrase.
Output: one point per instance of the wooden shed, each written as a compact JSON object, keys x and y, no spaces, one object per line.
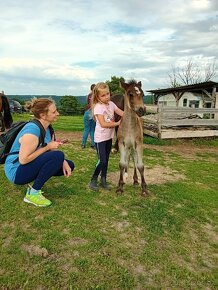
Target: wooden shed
{"x":202,"y":95}
{"x":186,"y":111}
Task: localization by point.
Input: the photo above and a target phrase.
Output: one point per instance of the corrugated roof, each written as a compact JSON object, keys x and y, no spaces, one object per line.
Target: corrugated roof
{"x":194,"y":87}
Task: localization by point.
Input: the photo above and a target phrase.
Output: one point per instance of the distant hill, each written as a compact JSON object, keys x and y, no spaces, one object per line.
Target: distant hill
{"x":81,"y":99}
{"x":148,"y":99}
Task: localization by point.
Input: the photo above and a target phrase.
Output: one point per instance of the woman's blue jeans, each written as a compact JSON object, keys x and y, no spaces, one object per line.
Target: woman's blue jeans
{"x":42,"y":169}
{"x":89,"y":128}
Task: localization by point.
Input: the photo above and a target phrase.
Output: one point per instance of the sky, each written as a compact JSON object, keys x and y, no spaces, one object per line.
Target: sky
{"x":61,"y":47}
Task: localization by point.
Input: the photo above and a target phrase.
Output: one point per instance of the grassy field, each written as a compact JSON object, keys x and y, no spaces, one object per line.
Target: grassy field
{"x":97,"y":240}
{"x":65,"y":123}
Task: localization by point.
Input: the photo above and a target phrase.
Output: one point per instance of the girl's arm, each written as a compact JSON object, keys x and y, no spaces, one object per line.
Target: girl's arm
{"x":119,"y":112}
{"x":28,"y":148}
{"x":106,"y":124}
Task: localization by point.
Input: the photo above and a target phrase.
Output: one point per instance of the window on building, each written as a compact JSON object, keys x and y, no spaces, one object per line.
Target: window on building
{"x":162,"y":103}
{"x":194,"y":104}
{"x":208,"y":105}
{"x":185,"y":101}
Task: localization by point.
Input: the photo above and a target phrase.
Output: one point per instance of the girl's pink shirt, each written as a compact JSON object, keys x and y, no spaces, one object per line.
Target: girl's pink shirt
{"x":104,"y":134}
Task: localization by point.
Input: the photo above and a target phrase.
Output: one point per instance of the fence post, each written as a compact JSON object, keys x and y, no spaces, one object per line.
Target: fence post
{"x":216,"y":106}
{"x":159,"y":113}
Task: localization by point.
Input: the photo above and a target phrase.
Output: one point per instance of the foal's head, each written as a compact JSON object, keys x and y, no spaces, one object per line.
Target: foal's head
{"x":134,"y":96}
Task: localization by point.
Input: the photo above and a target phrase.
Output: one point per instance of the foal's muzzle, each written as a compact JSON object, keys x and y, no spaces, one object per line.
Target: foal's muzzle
{"x":140,"y":112}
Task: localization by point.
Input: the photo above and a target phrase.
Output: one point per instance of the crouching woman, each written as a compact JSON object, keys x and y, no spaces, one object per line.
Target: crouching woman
{"x":35,"y":163}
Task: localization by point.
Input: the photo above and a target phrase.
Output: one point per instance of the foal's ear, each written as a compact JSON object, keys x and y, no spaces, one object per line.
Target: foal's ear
{"x":140,"y":84}
{"x":123,"y":84}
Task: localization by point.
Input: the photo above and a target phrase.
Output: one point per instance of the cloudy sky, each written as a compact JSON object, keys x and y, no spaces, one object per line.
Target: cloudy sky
{"x":62,"y":46}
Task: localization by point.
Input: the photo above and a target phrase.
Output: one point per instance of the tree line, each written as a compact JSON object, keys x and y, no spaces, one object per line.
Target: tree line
{"x":71,"y":105}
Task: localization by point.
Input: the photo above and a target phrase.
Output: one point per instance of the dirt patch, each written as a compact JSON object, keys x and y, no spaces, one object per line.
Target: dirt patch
{"x":77,"y":241}
{"x":121,"y":226}
{"x":211,"y":233}
{"x":188,"y":150}
{"x":156,"y":175}
{"x":71,"y":136}
{"x":35,"y":251}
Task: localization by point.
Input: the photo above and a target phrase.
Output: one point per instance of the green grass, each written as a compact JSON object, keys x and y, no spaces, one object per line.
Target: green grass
{"x":97,"y":240}
{"x":64,"y":123}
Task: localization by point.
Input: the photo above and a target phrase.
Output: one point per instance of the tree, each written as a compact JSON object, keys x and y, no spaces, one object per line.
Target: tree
{"x":114,"y":85}
{"x":210,"y":71}
{"x":192,"y":73}
{"x":70,"y":105}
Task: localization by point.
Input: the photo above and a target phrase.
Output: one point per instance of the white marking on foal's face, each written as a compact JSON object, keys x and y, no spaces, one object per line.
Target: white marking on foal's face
{"x":137,"y":90}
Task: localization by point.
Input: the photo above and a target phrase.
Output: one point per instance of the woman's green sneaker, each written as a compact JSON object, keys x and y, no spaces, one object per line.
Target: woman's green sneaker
{"x":37,"y":199}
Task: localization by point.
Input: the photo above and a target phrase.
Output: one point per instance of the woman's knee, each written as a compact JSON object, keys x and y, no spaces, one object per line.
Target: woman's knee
{"x":58,"y":156}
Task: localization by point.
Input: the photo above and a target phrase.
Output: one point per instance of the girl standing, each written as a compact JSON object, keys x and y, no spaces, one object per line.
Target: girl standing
{"x":103,"y":110}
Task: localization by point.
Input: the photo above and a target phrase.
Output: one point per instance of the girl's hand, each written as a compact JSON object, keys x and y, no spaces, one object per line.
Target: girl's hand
{"x":66,"y":169}
{"x":118,"y":122}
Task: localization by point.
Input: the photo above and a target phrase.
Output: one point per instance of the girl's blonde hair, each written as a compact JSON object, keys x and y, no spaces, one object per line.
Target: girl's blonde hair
{"x":95,"y":93}
{"x":38,"y":106}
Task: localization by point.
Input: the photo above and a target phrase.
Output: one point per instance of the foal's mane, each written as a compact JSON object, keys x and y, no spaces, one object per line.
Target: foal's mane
{"x":132,"y":82}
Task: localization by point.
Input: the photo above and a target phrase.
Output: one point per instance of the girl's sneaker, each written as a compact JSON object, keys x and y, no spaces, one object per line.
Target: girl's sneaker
{"x":37,"y":199}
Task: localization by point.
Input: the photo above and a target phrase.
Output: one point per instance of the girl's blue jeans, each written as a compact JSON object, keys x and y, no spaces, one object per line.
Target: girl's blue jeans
{"x":103,"y":151}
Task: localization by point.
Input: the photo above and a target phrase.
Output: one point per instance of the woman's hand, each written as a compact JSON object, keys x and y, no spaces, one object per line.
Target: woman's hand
{"x":66,"y":169}
{"x":54,"y":145}
{"x":29,"y":150}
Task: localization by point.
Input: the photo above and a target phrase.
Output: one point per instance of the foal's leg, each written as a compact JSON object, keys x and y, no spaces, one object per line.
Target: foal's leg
{"x":135,"y":176}
{"x":116,"y":142}
{"x":123,"y":167}
{"x":119,"y":189}
{"x":139,"y":163}
{"x":115,"y":148}
{"x":135,"y":159}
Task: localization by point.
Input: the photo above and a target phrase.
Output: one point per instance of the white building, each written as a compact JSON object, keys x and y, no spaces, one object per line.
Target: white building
{"x":190,"y":100}
{"x":201,"y":95}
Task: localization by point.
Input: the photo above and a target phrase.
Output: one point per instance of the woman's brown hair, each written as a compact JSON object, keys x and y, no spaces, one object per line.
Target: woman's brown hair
{"x":38,"y":106}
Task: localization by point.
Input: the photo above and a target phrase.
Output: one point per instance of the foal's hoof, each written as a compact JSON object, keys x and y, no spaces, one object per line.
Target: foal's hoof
{"x":136,"y":183}
{"x":119,"y":191}
{"x":114,"y":151}
{"x":144,"y":193}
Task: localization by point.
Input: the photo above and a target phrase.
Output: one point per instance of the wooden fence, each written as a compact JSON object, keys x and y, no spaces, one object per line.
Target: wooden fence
{"x":179,"y":122}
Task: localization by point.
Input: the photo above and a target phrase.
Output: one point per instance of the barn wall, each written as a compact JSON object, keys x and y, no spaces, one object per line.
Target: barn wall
{"x":170,"y":101}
